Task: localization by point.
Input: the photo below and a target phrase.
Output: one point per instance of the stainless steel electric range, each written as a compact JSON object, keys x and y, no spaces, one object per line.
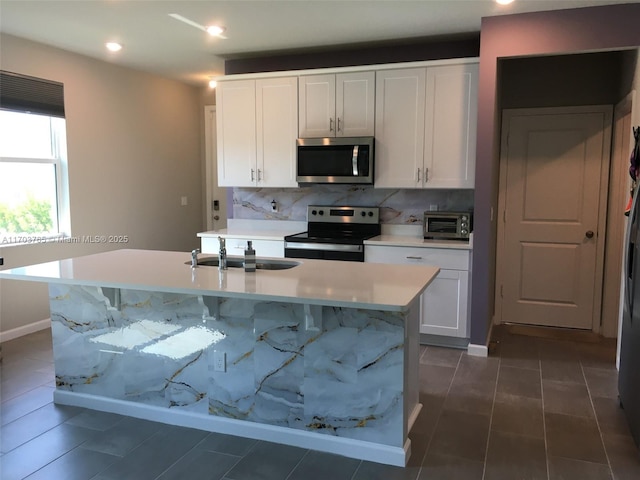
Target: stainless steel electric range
{"x":334,"y":233}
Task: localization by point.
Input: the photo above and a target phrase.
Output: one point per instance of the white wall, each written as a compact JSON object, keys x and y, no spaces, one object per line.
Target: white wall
{"x":134,"y":143}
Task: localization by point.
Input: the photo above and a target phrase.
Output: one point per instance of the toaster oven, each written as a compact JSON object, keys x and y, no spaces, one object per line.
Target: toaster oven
{"x":447,"y":225}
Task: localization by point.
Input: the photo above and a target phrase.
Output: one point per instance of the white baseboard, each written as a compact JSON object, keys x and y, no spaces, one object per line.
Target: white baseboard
{"x":414,"y":416}
{"x":478,"y":350}
{"x":347,"y":447}
{"x":25,"y":330}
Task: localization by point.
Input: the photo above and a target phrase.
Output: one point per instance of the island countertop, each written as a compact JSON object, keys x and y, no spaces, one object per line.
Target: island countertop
{"x":321,"y":282}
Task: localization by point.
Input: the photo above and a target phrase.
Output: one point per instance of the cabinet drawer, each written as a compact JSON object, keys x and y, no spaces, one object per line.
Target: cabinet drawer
{"x":437,"y":257}
{"x":236,"y":247}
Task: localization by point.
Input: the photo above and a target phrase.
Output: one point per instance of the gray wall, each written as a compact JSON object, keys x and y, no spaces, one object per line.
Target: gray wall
{"x":532,"y":34}
{"x":134,"y":148}
{"x":561,"y":80}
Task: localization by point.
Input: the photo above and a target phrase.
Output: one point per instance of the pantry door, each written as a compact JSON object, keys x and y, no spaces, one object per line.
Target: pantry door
{"x":554,"y":181}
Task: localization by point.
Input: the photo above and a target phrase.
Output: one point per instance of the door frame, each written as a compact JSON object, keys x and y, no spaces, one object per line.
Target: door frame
{"x":211,"y":172}
{"x":616,"y":224}
{"x":507,"y":114}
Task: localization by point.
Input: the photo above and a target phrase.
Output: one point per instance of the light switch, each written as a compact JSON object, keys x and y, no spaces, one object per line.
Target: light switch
{"x":184,"y":201}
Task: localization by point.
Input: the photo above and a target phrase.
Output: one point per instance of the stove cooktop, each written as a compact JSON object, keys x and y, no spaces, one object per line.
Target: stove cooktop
{"x":353,"y":238}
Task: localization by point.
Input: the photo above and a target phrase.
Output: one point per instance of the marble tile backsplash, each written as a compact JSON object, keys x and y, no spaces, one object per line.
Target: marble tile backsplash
{"x":397,"y":206}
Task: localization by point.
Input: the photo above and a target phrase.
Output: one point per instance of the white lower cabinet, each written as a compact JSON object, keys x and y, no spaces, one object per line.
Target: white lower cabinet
{"x":444,"y":305}
{"x":236,"y":246}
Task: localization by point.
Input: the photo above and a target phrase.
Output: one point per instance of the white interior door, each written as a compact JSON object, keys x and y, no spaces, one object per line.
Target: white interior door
{"x":553,"y":202}
{"x":216,"y":197}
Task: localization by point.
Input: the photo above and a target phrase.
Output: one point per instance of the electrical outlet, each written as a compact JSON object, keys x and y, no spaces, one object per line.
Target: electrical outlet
{"x":274,"y":206}
{"x":219,"y":361}
{"x":184,"y":201}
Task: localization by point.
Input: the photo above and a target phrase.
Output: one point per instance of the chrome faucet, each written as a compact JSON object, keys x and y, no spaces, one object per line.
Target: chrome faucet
{"x":222,"y":258}
{"x":194,"y":257}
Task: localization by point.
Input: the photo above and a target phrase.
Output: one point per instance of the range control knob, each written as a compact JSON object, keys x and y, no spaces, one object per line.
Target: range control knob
{"x":321,"y":212}
{"x":463,"y":231}
{"x":371,"y":214}
{"x":314,"y":212}
{"x":363,"y":213}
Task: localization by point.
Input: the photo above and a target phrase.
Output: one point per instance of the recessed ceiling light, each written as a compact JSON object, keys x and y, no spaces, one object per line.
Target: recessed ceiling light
{"x":113,"y":46}
{"x":212,"y":83}
{"x":504,"y":2}
{"x":215,"y":30}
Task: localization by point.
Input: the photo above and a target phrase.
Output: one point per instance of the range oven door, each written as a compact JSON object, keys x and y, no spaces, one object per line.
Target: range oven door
{"x":324,"y":251}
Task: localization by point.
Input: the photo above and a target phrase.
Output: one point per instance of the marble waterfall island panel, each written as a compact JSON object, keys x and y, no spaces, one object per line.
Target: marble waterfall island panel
{"x":329,"y":370}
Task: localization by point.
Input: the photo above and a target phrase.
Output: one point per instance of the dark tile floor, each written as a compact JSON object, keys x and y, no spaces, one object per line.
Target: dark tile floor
{"x":535,"y":409}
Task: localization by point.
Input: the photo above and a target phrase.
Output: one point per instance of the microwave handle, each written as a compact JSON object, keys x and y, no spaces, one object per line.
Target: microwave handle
{"x":354,"y":160}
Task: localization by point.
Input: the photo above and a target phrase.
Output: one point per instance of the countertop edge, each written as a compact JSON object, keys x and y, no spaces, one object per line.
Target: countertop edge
{"x":99,"y":270}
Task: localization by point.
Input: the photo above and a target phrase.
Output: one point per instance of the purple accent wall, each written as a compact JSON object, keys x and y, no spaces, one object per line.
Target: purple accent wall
{"x":435,"y":48}
{"x":556,"y":32}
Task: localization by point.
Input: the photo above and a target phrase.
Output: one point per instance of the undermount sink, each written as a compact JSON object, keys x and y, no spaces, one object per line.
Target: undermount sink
{"x":238,"y":263}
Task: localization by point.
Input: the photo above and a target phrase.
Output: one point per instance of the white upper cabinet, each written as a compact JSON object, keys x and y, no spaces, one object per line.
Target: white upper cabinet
{"x":426,"y":127}
{"x":257,"y":130}
{"x":277,"y":131}
{"x":236,"y":132}
{"x":399,"y":132}
{"x":451,"y":120}
{"x":337,"y":105}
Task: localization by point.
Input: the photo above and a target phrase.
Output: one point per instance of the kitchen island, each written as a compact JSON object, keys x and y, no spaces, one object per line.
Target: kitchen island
{"x":323,"y":355}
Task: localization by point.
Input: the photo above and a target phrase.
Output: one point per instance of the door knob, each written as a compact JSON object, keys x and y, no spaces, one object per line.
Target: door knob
{"x":589,"y":234}
{"x":216,"y":217}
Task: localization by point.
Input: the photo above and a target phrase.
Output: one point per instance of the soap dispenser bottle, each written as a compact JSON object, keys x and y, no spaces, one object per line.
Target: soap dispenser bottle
{"x":249,"y":258}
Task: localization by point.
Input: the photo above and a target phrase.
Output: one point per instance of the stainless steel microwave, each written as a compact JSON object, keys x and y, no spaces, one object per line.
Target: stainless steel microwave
{"x":335,"y":160}
{"x":447,"y":225}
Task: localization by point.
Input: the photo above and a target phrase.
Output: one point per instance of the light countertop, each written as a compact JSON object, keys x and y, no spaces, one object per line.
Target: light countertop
{"x":248,"y":234}
{"x":257,"y":229}
{"x":320,"y":282}
{"x":413,"y":241}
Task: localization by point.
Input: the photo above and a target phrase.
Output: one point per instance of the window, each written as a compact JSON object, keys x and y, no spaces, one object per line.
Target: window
{"x":32,"y":163}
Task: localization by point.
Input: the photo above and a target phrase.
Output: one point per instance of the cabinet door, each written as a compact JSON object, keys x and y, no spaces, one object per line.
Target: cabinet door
{"x":355,"y":103}
{"x":317,"y":106}
{"x":236,"y":133}
{"x":451,"y":119}
{"x":277,"y":130}
{"x":236,"y":246}
{"x":444,"y":305}
{"x":399,"y":132}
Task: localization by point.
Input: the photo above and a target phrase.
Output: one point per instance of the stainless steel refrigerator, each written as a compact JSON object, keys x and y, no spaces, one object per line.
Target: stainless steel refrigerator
{"x":629,"y":373}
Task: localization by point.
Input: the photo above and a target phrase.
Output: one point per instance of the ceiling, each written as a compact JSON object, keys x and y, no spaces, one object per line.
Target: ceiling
{"x":155,"y":42}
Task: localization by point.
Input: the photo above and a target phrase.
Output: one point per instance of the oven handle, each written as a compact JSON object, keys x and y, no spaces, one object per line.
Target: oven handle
{"x":324,"y":247}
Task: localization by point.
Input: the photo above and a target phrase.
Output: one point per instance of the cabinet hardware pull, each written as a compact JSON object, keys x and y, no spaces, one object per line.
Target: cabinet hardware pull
{"x":418,"y":176}
{"x":259,"y":175}
{"x":252,"y":175}
{"x":414,"y":258}
{"x":331,"y":124}
{"x":426,"y":175}
{"x":338,"y":123}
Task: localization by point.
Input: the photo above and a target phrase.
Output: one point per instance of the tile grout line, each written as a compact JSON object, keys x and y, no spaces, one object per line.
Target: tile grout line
{"x":297,"y":464}
{"x":544,"y":417}
{"x":435,"y":427}
{"x":595,"y":415}
{"x":493,"y":407}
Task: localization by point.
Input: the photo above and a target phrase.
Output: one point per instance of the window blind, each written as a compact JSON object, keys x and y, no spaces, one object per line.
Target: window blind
{"x":30,"y":94}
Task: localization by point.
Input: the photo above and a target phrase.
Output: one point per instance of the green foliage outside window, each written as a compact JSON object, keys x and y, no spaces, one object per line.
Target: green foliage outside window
{"x":30,"y":216}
